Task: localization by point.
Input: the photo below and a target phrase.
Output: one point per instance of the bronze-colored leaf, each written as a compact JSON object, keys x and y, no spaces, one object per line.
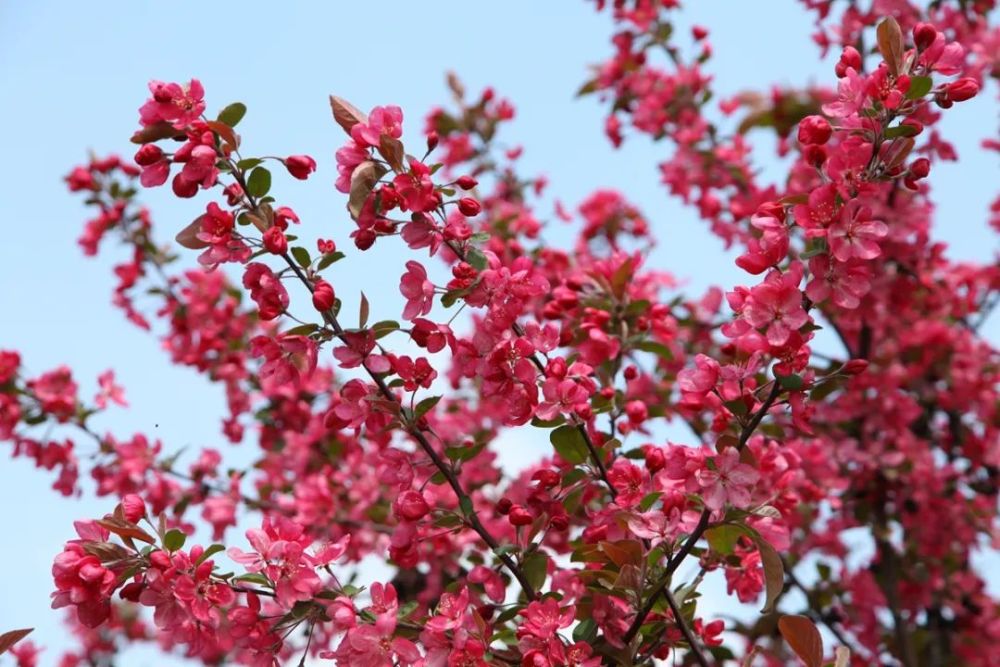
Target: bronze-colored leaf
{"x":155,"y":132}
{"x":8,"y":639}
{"x":774,"y":573}
{"x":124,"y":528}
{"x":363,"y":179}
{"x":188,"y":237}
{"x":890,"y":43}
{"x":227,"y":133}
{"x":346,"y":114}
{"x":392,"y":151}
{"x":802,"y":635}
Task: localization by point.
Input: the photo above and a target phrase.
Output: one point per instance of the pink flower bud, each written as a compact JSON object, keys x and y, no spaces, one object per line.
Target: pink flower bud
{"x":432,"y":141}
{"x":323,"y":296}
{"x":814,"y":130}
{"x":469,"y":206}
{"x":300,"y":166}
{"x":411,"y":506}
{"x":849,"y":58}
{"x":466,"y":182}
{"x":961,"y":90}
{"x":275,"y":241}
{"x":133,"y":507}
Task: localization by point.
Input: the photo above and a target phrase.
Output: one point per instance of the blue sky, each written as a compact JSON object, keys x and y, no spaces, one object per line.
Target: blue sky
{"x":74,"y":74}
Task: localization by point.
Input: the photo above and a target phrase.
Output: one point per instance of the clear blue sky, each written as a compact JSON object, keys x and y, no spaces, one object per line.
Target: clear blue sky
{"x":74,"y":74}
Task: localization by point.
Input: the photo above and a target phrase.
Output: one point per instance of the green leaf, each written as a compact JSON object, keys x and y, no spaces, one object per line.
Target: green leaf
{"x":259,"y":183}
{"x":384,"y":328}
{"x":477,"y":259}
{"x":233,"y":114}
{"x":329,"y":259}
{"x":302,"y":330}
{"x":536,"y":569}
{"x":173,"y":540}
{"x":919,"y":86}
{"x":723,"y":538}
{"x":209,"y":552}
{"x":569,"y":443}
{"x":253,"y":578}
{"x":900,"y":131}
{"x":791,"y":382}
{"x":248,"y":163}
{"x":659,"y":349}
{"x":465,"y":504}
{"x":301,"y":256}
{"x":424,"y":406}
{"x":649,"y":500}
{"x":585,"y":630}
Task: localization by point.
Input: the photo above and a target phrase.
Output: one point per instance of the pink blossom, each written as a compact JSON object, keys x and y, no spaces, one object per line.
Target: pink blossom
{"x":727,"y":481}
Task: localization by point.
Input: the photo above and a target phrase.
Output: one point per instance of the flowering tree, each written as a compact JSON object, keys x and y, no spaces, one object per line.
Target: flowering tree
{"x":862,"y":482}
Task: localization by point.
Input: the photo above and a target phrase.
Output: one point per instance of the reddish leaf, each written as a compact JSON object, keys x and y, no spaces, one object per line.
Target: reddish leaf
{"x":227,"y":133}
{"x":155,"y":132}
{"x":346,"y":114}
{"x":8,"y":639}
{"x":890,"y":43}
{"x":363,"y":179}
{"x":802,"y":635}
{"x":392,"y":150}
{"x":123,"y":528}
{"x":188,"y":237}
{"x":774,"y":573}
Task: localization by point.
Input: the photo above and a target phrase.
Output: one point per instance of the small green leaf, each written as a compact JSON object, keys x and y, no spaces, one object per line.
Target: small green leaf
{"x":329,"y":259}
{"x":919,"y":86}
{"x":173,"y":540}
{"x":209,"y":552}
{"x":301,"y":256}
{"x":585,"y":630}
{"x":900,"y":131}
{"x":649,"y":500}
{"x":233,"y":114}
{"x":302,"y":330}
{"x":791,"y":382}
{"x":259,"y":183}
{"x":465,"y":504}
{"x":424,"y":406}
{"x":253,"y":578}
{"x":248,"y":163}
{"x":723,"y":538}
{"x":569,"y":443}
{"x":477,"y":259}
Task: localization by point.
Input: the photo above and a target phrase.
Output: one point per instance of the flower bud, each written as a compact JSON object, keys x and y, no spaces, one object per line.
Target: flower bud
{"x":466,"y":182}
{"x":133,"y":507}
{"x":961,"y":90}
{"x":699,"y":32}
{"x":519,"y":516}
{"x":300,"y":166}
{"x":855,"y":366}
{"x":924,"y":35}
{"x":504,"y":505}
{"x":655,"y":459}
{"x":432,"y":140}
{"x":849,"y":58}
{"x":559,"y":522}
{"x":410,"y":506}
{"x":323,"y":296}
{"x":814,"y":130}
{"x":275,"y":241}
{"x":148,"y":154}
{"x":546,"y":478}
{"x":920,"y":168}
{"x":469,"y":206}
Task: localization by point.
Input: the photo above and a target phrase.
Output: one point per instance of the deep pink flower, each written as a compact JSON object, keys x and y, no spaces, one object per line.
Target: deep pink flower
{"x":417,"y":289}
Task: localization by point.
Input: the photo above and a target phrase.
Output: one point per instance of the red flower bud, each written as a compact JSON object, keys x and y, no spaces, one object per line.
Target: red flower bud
{"x":848,"y":58}
{"x":814,"y":130}
{"x":699,"y":32}
{"x":631,"y":373}
{"x":133,"y":507}
{"x":920,"y":168}
{"x":559,"y":522}
{"x":432,"y":140}
{"x":275,"y":241}
{"x":961,"y":90}
{"x":326,"y":246}
{"x":469,"y":206}
{"x":655,"y":459}
{"x":924,"y":35}
{"x":300,"y":166}
{"x":364,"y":239}
{"x":855,"y":366}
{"x":466,"y":182}
{"x":546,"y":478}
{"x":519,"y":516}
{"x":503,"y":506}
{"x":323,"y":296}
{"x":410,"y":506}
{"x":148,"y":154}
{"x":814,"y":155}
